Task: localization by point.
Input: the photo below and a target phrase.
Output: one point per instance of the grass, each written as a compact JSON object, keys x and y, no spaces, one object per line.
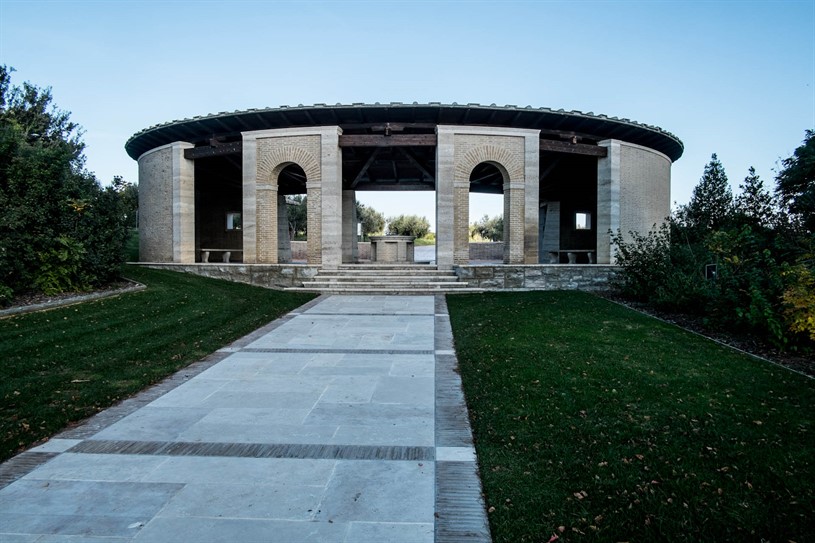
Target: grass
{"x":595,"y":423}
{"x":63,"y":365}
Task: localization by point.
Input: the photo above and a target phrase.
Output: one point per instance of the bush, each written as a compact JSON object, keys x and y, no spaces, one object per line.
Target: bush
{"x":408,"y":225}
{"x":799,"y":302}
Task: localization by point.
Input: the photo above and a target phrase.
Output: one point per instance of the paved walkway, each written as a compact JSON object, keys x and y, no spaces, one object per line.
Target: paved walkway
{"x":343,"y":421}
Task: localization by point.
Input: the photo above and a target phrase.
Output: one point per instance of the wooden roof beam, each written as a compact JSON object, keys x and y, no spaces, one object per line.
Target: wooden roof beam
{"x":573,"y":148}
{"x":396,"y":140}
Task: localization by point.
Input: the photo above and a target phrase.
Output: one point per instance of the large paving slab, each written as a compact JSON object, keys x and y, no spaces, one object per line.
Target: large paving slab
{"x":341,"y":422}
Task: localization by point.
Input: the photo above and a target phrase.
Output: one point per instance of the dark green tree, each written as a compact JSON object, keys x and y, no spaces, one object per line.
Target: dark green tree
{"x":755,"y":205}
{"x":59,"y":229}
{"x":795,"y":183}
{"x":711,"y":204}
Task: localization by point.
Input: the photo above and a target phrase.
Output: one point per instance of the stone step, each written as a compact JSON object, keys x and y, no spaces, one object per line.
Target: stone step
{"x":319,"y":283}
{"x":388,"y":271}
{"x":374,"y":290}
{"x":388,"y":278}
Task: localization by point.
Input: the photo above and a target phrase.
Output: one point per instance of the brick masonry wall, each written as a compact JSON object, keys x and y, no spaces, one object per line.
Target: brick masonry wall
{"x":645,"y":188}
{"x":156,"y":206}
{"x":299,"y":250}
{"x":538,"y":277}
{"x":487,"y":251}
{"x":508,"y":153}
{"x":273,"y":155}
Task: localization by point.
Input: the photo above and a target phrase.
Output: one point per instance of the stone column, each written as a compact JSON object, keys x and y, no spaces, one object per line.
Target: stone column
{"x":461,"y":222}
{"x":514,"y":221}
{"x":531,"y":197}
{"x":249,"y":212}
{"x":349,"y":226}
{"x":608,"y":200}
{"x":183,"y":204}
{"x":283,"y":240}
{"x":445,"y":177}
{"x":331,"y":197}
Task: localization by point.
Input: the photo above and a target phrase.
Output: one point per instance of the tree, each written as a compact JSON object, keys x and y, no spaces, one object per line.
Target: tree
{"x":408,"y":225}
{"x":711,"y":204}
{"x":755,"y":205}
{"x":59,"y":229}
{"x":298,"y":216}
{"x":488,"y":228}
{"x":373,"y":222}
{"x":795,"y":184}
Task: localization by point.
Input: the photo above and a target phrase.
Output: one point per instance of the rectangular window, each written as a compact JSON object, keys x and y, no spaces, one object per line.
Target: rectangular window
{"x":582,"y":221}
{"x":233,"y":221}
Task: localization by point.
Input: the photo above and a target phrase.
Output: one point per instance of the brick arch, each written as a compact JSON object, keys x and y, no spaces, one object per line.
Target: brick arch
{"x":508,"y":163}
{"x":273,"y":163}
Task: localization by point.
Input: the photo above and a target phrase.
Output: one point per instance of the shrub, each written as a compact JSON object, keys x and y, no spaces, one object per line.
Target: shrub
{"x":408,"y":225}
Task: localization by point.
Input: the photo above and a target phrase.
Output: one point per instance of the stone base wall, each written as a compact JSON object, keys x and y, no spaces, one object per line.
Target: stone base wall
{"x":274,"y":276}
{"x":538,"y":277}
{"x":487,"y":250}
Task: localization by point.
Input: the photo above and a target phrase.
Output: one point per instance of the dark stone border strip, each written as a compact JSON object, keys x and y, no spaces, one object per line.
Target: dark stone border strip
{"x":255,"y":450}
{"x":342,"y":351}
{"x":22,"y":464}
{"x":460,"y":511}
{"x":368,"y":314}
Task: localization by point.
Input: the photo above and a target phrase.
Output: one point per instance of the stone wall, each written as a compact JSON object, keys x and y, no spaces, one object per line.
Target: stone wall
{"x":275,"y":276}
{"x":540,"y":277}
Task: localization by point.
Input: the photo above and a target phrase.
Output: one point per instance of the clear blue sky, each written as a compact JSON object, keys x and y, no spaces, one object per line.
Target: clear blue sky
{"x":734,"y":78}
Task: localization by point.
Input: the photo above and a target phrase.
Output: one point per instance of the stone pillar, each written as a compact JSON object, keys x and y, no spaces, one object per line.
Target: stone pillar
{"x":331,"y":197}
{"x":183,"y":204}
{"x":514,"y":221}
{"x":608,"y":200}
{"x":349,"y":227}
{"x":531,"y":197}
{"x":461,"y":222}
{"x":314,"y":222}
{"x":249,"y":212}
{"x":283,"y":240}
{"x":445,"y":176}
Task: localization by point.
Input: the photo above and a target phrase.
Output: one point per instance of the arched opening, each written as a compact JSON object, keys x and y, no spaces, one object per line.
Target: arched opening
{"x":486,"y":213}
{"x":292,"y":215}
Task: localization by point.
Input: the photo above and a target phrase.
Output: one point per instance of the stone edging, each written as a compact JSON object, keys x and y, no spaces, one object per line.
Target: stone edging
{"x":21,"y":310}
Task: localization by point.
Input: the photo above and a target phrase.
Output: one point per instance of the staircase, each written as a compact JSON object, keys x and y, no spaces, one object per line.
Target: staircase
{"x":385,"y":279}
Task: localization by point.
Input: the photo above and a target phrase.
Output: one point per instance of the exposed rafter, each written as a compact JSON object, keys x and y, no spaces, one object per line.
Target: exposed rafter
{"x":573,"y":148}
{"x":396,"y":140}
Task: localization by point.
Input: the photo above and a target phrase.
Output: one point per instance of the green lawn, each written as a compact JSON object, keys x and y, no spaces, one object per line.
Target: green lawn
{"x":595,"y":423}
{"x":64,"y":365}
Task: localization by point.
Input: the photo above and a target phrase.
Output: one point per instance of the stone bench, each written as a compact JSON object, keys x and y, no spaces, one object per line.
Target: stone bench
{"x":227,"y":253}
{"x":571,"y":254}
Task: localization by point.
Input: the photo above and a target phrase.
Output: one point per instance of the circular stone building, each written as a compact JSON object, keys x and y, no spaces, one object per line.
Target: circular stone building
{"x":219,"y":182}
